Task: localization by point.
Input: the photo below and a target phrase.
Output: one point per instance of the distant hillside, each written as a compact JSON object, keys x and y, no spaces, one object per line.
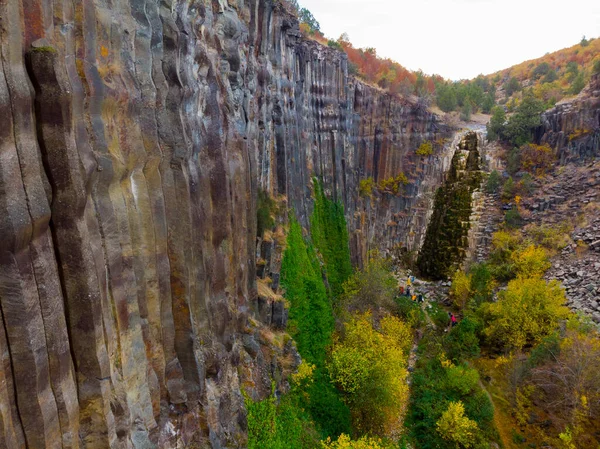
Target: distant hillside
{"x":552,"y":77}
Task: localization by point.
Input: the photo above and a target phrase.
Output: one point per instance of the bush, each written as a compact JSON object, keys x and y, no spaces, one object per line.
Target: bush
{"x":462,"y":379}
{"x":508,"y":190}
{"x":537,"y":159}
{"x":596,"y":67}
{"x":279,"y":426}
{"x":426,"y":149}
{"x":462,"y":342}
{"x":512,"y":86}
{"x":365,"y":187}
{"x":371,"y":288}
{"x":344,"y":442}
{"x":410,"y":311}
{"x":265,"y":213}
{"x":513,"y":219}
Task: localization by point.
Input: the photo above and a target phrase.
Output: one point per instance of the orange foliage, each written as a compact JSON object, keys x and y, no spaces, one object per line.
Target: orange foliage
{"x":584,"y":57}
{"x":537,"y":159}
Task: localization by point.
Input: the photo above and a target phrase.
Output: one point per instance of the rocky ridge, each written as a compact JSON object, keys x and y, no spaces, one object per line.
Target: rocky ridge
{"x":572,"y":128}
{"x":571,"y":196}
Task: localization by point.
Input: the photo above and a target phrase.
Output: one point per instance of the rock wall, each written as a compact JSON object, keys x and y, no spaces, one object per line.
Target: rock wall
{"x":572,"y":128}
{"x":136,"y":137}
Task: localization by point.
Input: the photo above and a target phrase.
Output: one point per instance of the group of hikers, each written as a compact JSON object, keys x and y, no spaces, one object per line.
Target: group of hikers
{"x":412,"y":294}
{"x":408,"y":291}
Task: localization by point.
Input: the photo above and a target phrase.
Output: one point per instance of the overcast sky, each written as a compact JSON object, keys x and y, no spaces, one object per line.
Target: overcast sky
{"x":459,"y":38}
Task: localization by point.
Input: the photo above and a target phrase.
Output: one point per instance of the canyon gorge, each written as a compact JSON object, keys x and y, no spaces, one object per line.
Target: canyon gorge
{"x":138,"y":138}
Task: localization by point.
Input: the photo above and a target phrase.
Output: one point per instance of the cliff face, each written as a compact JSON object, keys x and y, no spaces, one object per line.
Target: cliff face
{"x":573,"y":128}
{"x":136,"y":137}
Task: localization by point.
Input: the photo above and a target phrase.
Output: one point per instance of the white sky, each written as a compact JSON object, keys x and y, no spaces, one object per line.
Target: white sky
{"x":459,"y":38}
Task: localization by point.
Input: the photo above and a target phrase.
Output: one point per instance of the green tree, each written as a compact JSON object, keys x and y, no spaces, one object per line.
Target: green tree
{"x":541,"y":70}
{"x":584,"y":42}
{"x":488,"y":102}
{"x":508,"y":191}
{"x":550,"y":77}
{"x":446,"y":97}
{"x":466,"y":111}
{"x":596,"y":67}
{"x":512,"y":86}
{"x":578,"y":84}
{"x":497,"y":124}
{"x":522,"y":124}
{"x":493,"y":182}
{"x":306,"y":17}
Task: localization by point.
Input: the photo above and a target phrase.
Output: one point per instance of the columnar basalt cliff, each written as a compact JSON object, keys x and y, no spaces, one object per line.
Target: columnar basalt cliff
{"x":572,"y":128}
{"x":136,"y":137}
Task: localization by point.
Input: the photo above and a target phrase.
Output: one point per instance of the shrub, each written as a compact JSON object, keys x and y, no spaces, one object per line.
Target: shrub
{"x":426,"y":149}
{"x":537,"y":159}
{"x":344,"y":442}
{"x":392,"y":185}
{"x":512,"y":86}
{"x":462,"y":342}
{"x":513,"y":219}
{"x":371,"y":288}
{"x":265,"y":212}
{"x":365,"y":187}
{"x":462,"y":379}
{"x":410,"y":311}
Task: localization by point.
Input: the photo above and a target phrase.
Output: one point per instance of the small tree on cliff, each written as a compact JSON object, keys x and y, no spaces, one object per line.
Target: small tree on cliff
{"x":495,"y":127}
{"x":307,"y":18}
